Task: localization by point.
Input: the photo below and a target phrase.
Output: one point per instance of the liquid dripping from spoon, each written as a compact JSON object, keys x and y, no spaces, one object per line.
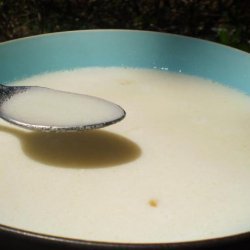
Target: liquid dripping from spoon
{"x":40,"y":108}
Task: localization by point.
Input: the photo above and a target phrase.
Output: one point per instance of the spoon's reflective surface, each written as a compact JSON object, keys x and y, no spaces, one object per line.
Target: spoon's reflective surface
{"x":40,"y":108}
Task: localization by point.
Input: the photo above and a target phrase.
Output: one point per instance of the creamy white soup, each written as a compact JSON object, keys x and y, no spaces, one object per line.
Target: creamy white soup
{"x":177,"y":168}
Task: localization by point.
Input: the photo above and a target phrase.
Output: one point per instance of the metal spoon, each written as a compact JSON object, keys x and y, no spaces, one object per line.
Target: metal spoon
{"x":40,"y":108}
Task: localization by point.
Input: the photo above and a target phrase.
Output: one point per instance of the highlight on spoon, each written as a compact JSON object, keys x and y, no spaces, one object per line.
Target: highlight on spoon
{"x":40,"y":108}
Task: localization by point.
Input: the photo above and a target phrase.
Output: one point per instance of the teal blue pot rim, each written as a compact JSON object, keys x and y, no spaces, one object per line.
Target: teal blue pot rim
{"x":69,"y":50}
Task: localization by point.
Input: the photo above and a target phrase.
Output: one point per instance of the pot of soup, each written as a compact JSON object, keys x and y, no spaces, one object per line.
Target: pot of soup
{"x":174,"y":174}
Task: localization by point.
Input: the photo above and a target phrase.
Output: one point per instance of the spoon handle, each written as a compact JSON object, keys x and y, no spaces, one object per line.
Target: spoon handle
{"x":4,"y":93}
{"x":7,"y":91}
{"x":2,"y":87}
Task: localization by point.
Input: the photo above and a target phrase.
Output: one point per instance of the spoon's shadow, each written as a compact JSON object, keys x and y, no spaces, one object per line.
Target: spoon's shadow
{"x":89,"y":149}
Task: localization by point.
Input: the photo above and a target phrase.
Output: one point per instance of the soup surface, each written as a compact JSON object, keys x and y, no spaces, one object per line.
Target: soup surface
{"x":177,"y":168}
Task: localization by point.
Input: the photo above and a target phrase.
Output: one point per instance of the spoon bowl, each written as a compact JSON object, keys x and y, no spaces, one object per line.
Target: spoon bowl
{"x":45,"y":109}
